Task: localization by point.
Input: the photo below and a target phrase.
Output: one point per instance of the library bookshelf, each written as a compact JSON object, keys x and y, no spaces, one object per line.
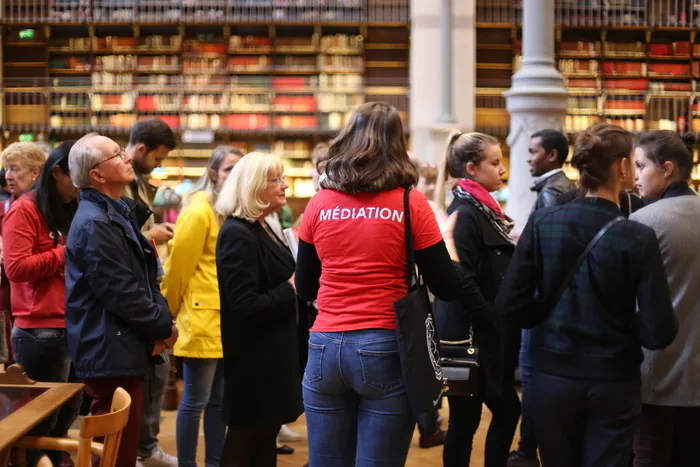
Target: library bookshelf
{"x":269,"y":75}
{"x":635,"y":63}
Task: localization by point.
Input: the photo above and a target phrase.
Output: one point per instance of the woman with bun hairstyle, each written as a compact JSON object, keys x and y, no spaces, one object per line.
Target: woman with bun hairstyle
{"x":483,"y":241}
{"x":670,"y":421}
{"x":587,"y":342}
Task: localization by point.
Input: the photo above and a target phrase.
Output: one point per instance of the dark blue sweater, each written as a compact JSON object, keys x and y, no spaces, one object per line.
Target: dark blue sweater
{"x":617,"y":302}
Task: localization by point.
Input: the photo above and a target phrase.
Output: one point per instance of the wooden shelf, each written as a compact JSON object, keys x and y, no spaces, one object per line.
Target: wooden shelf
{"x":494,"y":66}
{"x":580,"y":74}
{"x":62,"y":51}
{"x":385,"y":64}
{"x":379,"y":46}
{"x":577,"y":55}
{"x":494,"y":47}
{"x":652,"y":75}
{"x":669,"y":57}
{"x":260,"y":51}
{"x":624,"y":76}
{"x":63,"y":71}
{"x":25,"y":64}
{"x":24,"y":44}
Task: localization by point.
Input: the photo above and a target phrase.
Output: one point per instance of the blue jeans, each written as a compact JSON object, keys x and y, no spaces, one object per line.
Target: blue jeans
{"x":204,"y":391}
{"x":528,"y":440}
{"x":357,"y":410}
{"x":44,"y":355}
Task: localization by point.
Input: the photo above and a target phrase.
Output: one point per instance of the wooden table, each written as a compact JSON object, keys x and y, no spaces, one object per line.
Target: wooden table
{"x":43,"y":399}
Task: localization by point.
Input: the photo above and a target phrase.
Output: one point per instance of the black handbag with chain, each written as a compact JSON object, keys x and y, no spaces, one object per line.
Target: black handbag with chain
{"x":460,"y":366}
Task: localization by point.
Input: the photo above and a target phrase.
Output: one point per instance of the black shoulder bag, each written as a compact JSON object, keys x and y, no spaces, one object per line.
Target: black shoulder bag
{"x":416,"y":334}
{"x":579,"y":261}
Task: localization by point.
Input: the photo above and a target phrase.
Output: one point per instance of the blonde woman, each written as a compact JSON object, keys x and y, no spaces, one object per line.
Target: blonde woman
{"x":259,"y":318}
{"x":192,"y":290}
{"x":22,"y":163}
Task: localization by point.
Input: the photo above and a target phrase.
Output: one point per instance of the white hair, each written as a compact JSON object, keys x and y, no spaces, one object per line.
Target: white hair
{"x":240,"y":194}
{"x":81,"y":159}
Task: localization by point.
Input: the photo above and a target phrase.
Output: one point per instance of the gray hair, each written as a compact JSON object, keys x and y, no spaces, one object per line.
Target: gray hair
{"x":81,"y":159}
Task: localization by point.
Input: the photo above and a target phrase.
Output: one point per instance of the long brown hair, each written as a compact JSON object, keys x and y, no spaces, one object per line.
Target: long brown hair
{"x":370,"y":153}
{"x":461,"y":149}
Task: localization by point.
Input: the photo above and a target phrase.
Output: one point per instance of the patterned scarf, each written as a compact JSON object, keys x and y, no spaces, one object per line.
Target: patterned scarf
{"x":475,"y":194}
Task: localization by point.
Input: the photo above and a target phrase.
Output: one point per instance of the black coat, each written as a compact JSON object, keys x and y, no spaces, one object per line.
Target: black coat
{"x":259,"y":327}
{"x":114,"y":309}
{"x":484,"y":256}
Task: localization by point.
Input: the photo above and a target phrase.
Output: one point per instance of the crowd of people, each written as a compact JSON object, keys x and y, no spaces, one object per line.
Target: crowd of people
{"x":594,"y":303}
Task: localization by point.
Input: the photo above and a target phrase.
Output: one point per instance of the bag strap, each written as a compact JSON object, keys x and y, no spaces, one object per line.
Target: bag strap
{"x":411,"y":275}
{"x":574,"y":269}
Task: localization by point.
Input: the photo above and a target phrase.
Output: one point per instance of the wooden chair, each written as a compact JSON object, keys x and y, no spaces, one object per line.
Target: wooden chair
{"x":15,"y":375}
{"x":108,"y":426}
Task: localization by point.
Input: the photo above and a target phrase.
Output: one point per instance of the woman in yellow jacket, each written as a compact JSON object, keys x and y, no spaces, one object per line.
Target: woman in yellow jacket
{"x":191,"y":287}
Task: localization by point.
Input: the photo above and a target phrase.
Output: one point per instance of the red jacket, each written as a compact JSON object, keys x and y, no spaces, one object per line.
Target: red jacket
{"x":34,"y":262}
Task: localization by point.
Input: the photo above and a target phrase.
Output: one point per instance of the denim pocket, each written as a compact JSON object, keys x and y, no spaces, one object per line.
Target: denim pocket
{"x":381,"y":369}
{"x":314,"y":363}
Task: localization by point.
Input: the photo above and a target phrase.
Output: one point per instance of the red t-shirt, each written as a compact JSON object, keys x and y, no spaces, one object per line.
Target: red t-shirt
{"x":360,"y":241}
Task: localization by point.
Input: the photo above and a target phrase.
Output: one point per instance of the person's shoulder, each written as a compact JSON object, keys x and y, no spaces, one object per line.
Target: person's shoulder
{"x":199,"y":204}
{"x":637,"y":231}
{"x":236,"y":227}
{"x":25,"y":203}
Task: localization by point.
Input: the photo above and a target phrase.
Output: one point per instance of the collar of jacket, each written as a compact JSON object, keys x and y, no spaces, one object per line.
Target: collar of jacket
{"x":541,"y":181}
{"x":136,"y":211}
{"x":678,"y":189}
{"x":601,"y":203}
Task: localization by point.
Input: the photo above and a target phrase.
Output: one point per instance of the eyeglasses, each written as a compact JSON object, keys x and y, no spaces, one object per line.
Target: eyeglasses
{"x":281,"y":180}
{"x":121,"y":155}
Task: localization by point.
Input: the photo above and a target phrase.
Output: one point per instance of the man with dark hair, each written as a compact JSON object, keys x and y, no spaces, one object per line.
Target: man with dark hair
{"x":149,"y":144}
{"x":548,"y":152}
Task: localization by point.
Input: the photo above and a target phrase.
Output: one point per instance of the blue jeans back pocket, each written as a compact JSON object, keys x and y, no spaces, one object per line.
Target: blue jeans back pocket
{"x":314,"y":363}
{"x":381,"y":369}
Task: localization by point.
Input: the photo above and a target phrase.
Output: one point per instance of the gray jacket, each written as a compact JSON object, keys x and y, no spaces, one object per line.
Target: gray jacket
{"x":671,"y":377}
{"x":549,"y":189}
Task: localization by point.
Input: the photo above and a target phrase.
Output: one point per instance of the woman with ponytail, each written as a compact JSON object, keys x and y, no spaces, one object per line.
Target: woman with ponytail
{"x":592,"y":288}
{"x":484,"y":245}
{"x":670,"y":420}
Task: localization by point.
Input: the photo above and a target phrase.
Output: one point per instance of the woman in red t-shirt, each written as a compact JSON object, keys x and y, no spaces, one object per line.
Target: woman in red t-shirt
{"x":351,"y":260}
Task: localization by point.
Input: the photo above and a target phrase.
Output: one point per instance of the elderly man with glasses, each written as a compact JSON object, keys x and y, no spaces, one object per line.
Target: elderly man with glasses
{"x":116,"y":318}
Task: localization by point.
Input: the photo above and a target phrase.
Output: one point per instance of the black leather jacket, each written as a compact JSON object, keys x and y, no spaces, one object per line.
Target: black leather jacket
{"x":551,"y":188}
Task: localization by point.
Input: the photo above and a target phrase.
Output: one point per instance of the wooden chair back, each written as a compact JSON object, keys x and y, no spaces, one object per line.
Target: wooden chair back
{"x":15,"y":375}
{"x":109,"y":427}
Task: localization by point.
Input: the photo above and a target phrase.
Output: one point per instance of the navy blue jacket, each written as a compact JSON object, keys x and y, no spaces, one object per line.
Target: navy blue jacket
{"x":617,"y":302}
{"x":114,"y":309}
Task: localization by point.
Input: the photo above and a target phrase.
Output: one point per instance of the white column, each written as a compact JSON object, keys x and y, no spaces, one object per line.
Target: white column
{"x":536,"y":100}
{"x":430,"y":83}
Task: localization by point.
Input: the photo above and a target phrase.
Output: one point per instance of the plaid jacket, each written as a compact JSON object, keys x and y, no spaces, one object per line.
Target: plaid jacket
{"x":617,"y":302}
